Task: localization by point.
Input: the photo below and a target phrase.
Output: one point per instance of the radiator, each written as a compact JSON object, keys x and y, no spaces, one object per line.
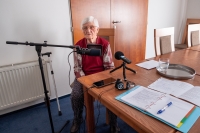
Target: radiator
{"x":21,"y":83}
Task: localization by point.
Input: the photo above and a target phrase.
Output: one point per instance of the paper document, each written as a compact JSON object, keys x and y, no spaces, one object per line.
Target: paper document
{"x":169,"y":86}
{"x":148,"y":64}
{"x":179,"y":89}
{"x":192,"y":95}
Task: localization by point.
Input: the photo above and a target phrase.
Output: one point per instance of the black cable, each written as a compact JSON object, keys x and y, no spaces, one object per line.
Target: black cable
{"x":98,"y":107}
{"x":69,"y":66}
{"x":98,"y":100}
{"x":84,"y":104}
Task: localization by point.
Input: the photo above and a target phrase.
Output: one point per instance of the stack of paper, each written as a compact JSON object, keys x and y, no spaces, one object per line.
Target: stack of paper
{"x":148,"y":64}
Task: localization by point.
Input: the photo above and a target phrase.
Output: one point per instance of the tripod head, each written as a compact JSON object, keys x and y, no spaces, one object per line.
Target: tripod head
{"x":48,"y":54}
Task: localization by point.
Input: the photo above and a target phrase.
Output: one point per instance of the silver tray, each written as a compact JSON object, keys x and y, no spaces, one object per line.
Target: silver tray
{"x":177,"y":71}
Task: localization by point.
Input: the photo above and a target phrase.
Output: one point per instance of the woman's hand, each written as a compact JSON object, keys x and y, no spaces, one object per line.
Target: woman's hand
{"x":77,"y":75}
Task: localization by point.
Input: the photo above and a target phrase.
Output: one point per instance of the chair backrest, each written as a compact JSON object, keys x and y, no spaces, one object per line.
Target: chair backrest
{"x":164,"y":40}
{"x":109,"y":35}
{"x":189,"y":21}
{"x":193,"y":36}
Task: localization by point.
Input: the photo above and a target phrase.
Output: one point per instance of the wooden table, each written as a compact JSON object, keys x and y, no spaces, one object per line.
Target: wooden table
{"x":136,"y":119}
{"x":195,"y":48}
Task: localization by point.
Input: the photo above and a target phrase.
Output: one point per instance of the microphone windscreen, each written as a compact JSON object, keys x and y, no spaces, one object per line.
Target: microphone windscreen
{"x":10,"y":42}
{"x":95,"y":52}
{"x":118,"y":54}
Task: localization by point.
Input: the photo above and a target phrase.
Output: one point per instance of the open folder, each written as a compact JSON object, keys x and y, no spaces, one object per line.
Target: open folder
{"x":179,"y":115}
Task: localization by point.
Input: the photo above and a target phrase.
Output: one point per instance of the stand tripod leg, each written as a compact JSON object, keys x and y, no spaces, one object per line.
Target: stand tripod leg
{"x":63,"y":126}
{"x":52,"y":73}
{"x":116,"y":68}
{"x":130,"y":69}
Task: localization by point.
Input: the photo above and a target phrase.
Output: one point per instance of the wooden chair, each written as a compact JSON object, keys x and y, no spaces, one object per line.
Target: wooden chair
{"x":193,"y":35}
{"x":189,"y":21}
{"x":184,"y":42}
{"x":109,"y":35}
{"x":164,"y":40}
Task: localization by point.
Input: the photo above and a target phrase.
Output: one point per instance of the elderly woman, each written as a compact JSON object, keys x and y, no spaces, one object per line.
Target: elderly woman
{"x":86,"y":65}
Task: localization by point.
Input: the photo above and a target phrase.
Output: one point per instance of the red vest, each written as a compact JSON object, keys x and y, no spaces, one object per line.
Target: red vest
{"x":93,"y":64}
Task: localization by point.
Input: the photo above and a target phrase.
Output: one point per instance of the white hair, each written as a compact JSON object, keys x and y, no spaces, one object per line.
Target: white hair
{"x":90,"y":19}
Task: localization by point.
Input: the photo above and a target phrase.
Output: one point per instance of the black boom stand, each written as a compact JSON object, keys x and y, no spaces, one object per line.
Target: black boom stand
{"x":124,"y":67}
{"x":38,"y":48}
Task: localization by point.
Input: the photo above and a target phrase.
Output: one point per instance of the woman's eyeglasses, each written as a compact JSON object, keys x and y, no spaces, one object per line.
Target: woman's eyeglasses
{"x":88,"y":27}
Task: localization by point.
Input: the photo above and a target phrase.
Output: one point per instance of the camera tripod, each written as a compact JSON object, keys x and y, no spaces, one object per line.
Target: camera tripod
{"x":124,"y":68}
{"x":52,"y":73}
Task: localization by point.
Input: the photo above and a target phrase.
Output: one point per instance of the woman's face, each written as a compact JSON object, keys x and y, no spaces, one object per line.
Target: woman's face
{"x":89,"y":30}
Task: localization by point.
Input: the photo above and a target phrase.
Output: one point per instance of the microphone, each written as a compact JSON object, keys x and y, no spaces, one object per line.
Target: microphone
{"x":120,"y":56}
{"x":90,"y":52}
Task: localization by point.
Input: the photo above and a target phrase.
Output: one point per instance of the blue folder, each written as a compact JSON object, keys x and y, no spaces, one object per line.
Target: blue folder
{"x":185,"y":127}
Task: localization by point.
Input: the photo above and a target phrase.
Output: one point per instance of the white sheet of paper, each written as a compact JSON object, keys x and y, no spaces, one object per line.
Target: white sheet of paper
{"x":192,"y":95}
{"x":180,"y":88}
{"x":148,"y":64}
{"x":173,"y":87}
{"x":142,"y":97}
{"x":163,"y":85}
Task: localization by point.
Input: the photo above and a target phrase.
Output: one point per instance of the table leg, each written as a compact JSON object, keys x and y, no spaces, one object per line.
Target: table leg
{"x":90,"y":123}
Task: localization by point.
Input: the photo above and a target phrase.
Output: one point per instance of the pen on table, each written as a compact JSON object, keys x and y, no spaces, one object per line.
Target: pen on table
{"x":163,"y":109}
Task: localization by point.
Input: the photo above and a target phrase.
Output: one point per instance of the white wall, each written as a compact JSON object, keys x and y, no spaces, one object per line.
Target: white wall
{"x":37,"y":21}
{"x":162,"y":14}
{"x":193,"y":9}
